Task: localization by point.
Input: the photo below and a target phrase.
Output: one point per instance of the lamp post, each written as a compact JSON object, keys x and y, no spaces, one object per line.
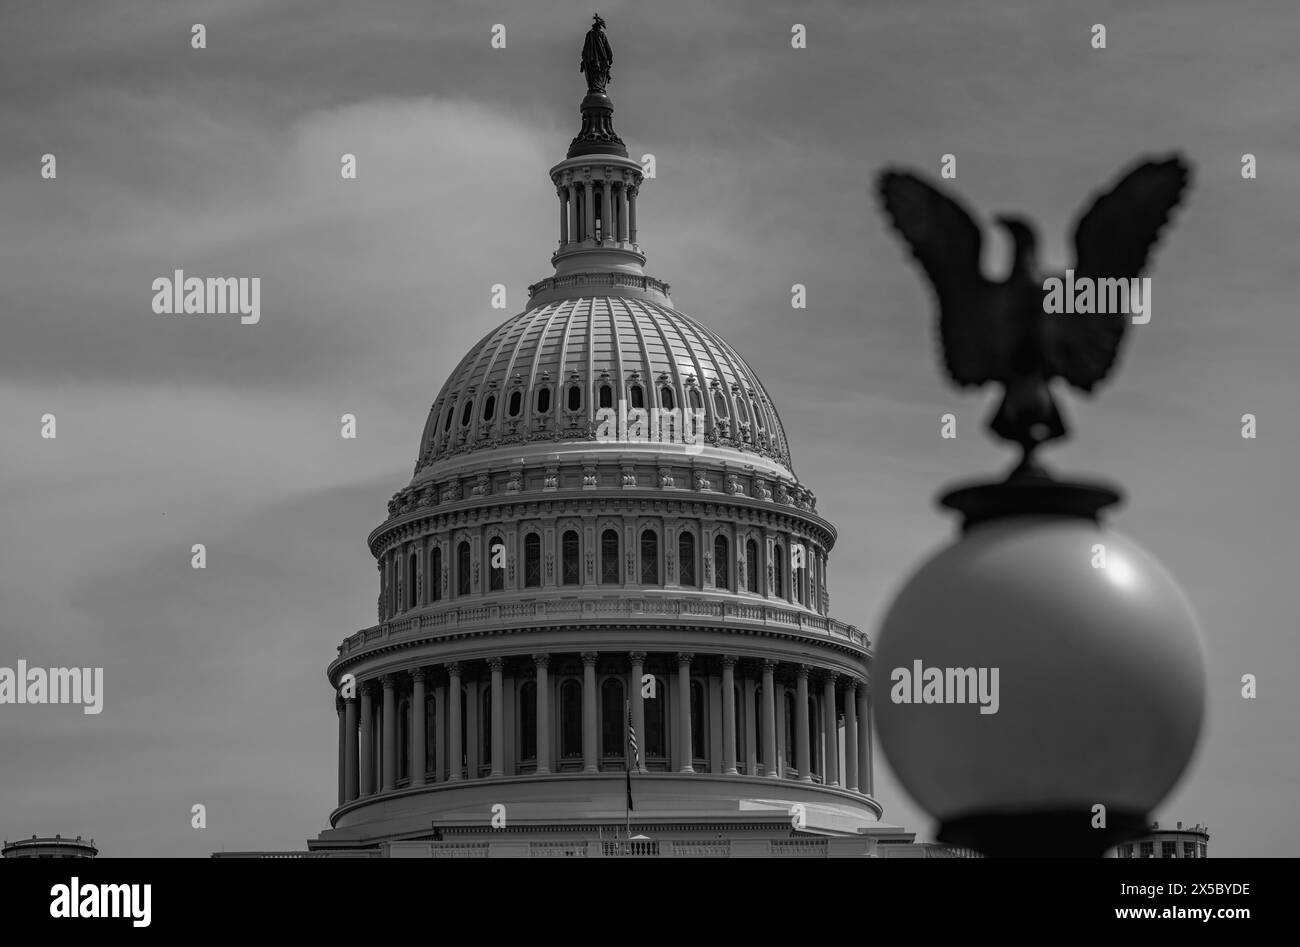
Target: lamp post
{"x":1046,"y":678}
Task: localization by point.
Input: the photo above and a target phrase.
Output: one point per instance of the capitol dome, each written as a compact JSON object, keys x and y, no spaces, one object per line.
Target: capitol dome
{"x":553,"y":585}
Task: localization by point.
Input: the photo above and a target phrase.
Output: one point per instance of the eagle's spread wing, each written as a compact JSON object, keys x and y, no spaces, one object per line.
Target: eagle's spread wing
{"x":1113,"y":240}
{"x":946,"y":242}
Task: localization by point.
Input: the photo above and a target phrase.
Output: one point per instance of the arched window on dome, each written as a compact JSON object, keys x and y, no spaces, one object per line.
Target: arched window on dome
{"x":543,"y":400}
{"x":446,"y":421}
{"x":532,"y":561}
{"x":467,"y":412}
{"x":719,"y":403}
{"x":430,"y":730}
{"x":696,"y":414}
{"x":528,"y":721}
{"x":721,"y":563}
{"x":570,"y":559}
{"x":435,"y":573}
{"x":575,"y":397}
{"x":462,"y":569}
{"x":636,"y":395}
{"x":489,"y":407}
{"x":570,"y":719}
{"x":699,"y":726}
{"x":606,"y":396}
{"x":613,"y":719}
{"x":404,"y":740}
{"x":609,"y":564}
{"x":649,"y":557}
{"x":758,"y":414}
{"x":666,"y":400}
{"x":412,"y":571}
{"x":778,"y":571}
{"x":496,"y":568}
{"x":686,"y":559}
{"x":751,"y":566}
{"x":516,"y":403}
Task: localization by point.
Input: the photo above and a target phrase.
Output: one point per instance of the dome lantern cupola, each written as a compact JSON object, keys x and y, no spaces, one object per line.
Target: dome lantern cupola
{"x":597,"y":186}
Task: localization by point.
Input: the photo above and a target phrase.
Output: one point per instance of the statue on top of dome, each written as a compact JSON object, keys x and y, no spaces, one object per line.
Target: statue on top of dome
{"x":597,"y":56}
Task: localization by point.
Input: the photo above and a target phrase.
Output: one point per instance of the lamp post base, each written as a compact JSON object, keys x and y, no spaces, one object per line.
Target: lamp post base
{"x":1064,"y":834}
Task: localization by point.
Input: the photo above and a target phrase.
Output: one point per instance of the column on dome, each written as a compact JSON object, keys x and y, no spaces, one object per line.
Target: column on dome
{"x":771,"y":767}
{"x":453,"y":721}
{"x":498,"y":718}
{"x":865,"y":774}
{"x":421,"y":590}
{"x":831,"y":774}
{"x":784,"y":754}
{"x":367,"y":763}
{"x":390,"y":733}
{"x":631,"y":214}
{"x":343,"y":737}
{"x":419,"y":762}
{"x":622,"y":212}
{"x":638,"y":704}
{"x":589,"y":212}
{"x":589,"y":734}
{"x":684,"y":710}
{"x":541,"y":662}
{"x":350,"y":750}
{"x":851,"y":734}
{"x":575,"y":226}
{"x":564,"y":216}
{"x":801,"y":725}
{"x":606,"y":210}
{"x":440,"y":751}
{"x":729,"y":714}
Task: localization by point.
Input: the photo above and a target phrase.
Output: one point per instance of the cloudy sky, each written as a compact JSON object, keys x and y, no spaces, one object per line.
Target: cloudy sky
{"x":177,"y":430}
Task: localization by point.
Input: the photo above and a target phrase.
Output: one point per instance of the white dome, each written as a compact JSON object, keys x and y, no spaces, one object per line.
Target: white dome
{"x":538,"y":377}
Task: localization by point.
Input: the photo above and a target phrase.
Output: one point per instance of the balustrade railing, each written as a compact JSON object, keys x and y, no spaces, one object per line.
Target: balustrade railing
{"x":630,"y":608}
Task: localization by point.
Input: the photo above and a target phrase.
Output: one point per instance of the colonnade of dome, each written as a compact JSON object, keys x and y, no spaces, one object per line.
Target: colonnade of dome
{"x":568,"y":712}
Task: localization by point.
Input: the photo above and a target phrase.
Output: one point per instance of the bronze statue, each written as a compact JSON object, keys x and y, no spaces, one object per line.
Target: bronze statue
{"x":992,"y":331}
{"x":597,"y":57}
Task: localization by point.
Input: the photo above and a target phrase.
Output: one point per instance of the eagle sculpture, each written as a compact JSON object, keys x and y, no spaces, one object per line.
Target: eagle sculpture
{"x":1000,"y":331}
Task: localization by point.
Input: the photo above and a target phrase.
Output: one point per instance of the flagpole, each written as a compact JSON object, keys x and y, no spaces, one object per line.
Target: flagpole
{"x":627,"y":797}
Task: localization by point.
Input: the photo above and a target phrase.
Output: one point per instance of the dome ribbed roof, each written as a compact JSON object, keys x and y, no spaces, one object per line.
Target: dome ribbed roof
{"x":537,"y":379}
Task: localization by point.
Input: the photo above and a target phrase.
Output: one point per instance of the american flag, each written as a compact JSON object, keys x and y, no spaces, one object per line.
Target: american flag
{"x":634,"y":757}
{"x":631,"y":738}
